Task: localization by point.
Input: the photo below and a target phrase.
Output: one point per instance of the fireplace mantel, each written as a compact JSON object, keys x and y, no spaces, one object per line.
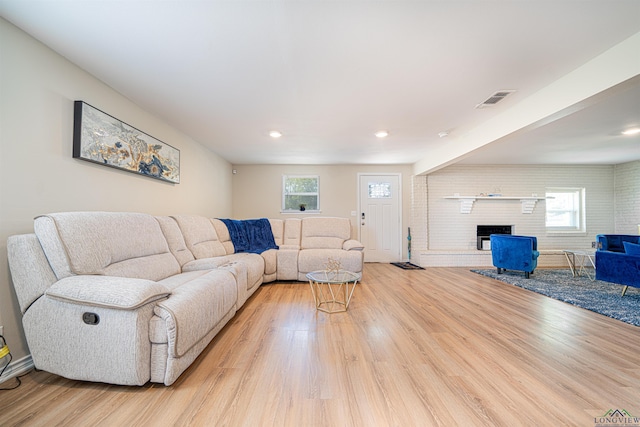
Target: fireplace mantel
{"x":466,"y":202}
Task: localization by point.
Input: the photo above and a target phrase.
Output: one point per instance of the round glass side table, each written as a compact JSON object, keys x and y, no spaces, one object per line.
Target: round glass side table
{"x":332,"y":289}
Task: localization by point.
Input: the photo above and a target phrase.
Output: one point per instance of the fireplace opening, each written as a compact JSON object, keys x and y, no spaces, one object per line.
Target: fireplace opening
{"x":483,"y":233}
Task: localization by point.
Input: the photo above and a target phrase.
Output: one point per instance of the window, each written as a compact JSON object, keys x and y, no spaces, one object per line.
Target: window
{"x":565,"y":209}
{"x":300,"y":193}
{"x":379,"y":190}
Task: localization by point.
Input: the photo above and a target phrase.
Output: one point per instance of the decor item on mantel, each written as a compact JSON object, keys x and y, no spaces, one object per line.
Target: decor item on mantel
{"x":466,"y":202}
{"x":103,"y":139}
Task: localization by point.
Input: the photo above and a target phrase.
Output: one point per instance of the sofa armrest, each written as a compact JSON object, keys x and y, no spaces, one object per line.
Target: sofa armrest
{"x":30,"y":270}
{"x":107,"y":291}
{"x":352,"y":245}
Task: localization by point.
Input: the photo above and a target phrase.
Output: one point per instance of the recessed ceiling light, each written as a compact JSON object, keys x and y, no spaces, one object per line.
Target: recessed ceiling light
{"x":275,"y":134}
{"x":631,"y":131}
{"x":443,"y":134}
{"x":382,"y":134}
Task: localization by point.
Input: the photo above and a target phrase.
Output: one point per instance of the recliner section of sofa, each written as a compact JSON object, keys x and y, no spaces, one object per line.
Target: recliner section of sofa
{"x":128,"y":298}
{"x":211,"y":252}
{"x":323,"y":238}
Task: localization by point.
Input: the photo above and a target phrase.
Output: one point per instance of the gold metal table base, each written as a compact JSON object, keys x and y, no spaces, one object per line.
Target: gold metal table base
{"x":334,"y":294}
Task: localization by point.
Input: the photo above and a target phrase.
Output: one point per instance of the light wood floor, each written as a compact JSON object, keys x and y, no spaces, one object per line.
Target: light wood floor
{"x":439,"y":347}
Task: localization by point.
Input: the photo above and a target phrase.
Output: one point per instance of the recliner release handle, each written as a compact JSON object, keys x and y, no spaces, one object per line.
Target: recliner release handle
{"x":90,"y":318}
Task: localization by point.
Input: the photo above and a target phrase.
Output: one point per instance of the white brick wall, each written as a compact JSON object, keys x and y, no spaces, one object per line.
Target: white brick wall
{"x":627,"y":198}
{"x":419,"y":225}
{"x":450,"y":230}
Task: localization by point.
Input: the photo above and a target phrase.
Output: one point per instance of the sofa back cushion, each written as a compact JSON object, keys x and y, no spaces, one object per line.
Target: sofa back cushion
{"x":105,"y":243}
{"x":223,"y":236}
{"x":324,"y":233}
{"x":291,"y":232}
{"x":631,"y":248}
{"x":615,"y":242}
{"x":277,"y":228}
{"x":200,"y":236}
{"x":175,"y":239}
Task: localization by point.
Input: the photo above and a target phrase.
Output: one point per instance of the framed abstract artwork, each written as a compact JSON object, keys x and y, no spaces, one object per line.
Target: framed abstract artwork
{"x":103,"y":139}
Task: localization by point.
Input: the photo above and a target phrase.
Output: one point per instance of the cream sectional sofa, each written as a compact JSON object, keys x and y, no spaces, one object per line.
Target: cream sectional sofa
{"x":128,"y":298}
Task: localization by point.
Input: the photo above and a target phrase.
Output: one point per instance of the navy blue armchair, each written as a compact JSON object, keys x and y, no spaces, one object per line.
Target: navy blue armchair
{"x":510,"y":252}
{"x":618,"y":259}
{"x":615,"y":242}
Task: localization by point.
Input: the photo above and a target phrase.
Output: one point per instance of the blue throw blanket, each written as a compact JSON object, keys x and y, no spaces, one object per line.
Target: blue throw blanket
{"x":250,"y":235}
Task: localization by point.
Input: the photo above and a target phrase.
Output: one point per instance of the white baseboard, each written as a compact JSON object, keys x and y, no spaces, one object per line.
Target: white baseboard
{"x":17,"y":368}
{"x":446,"y":258}
{"x":475,"y":258}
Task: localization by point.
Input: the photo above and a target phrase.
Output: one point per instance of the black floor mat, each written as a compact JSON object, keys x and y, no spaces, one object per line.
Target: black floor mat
{"x":407,"y":266}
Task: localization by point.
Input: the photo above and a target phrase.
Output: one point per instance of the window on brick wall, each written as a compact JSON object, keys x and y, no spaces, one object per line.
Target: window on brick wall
{"x":300,"y":193}
{"x":565,"y":210}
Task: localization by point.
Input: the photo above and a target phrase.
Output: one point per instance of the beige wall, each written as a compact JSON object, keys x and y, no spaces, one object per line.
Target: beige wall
{"x":38,"y":174}
{"x":257,"y":190}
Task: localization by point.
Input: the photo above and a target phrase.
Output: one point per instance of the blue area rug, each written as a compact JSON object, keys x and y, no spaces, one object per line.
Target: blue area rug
{"x":598,"y":296}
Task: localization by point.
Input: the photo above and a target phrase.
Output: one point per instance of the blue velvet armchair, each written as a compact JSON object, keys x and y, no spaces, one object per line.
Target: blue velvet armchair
{"x":510,"y":252}
{"x":618,"y":259}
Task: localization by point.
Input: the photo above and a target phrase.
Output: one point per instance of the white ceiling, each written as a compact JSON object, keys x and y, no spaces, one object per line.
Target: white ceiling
{"x":328,"y":74}
{"x":591,"y":135}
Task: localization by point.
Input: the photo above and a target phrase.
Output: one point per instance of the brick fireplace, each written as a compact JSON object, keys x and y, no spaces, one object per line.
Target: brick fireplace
{"x":484,"y":231}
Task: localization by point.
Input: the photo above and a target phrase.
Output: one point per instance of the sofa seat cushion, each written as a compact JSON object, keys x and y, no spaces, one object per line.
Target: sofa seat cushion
{"x":194,"y":308}
{"x":206,"y":263}
{"x":255,"y":267}
{"x":316,"y":259}
{"x":253,"y":262}
{"x":270,"y":261}
{"x":287,"y":262}
{"x":178,"y":280}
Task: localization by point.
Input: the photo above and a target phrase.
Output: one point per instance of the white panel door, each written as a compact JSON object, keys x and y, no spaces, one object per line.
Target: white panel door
{"x":380,"y":217}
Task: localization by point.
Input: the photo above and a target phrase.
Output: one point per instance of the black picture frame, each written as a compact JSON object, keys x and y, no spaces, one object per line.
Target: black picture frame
{"x":103,"y":139}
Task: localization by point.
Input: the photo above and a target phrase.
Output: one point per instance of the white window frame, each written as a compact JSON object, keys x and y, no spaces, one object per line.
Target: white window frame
{"x":284,"y":194}
{"x":578,"y":211}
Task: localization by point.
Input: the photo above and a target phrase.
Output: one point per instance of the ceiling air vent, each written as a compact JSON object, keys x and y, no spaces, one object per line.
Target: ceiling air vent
{"x":495,"y":98}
